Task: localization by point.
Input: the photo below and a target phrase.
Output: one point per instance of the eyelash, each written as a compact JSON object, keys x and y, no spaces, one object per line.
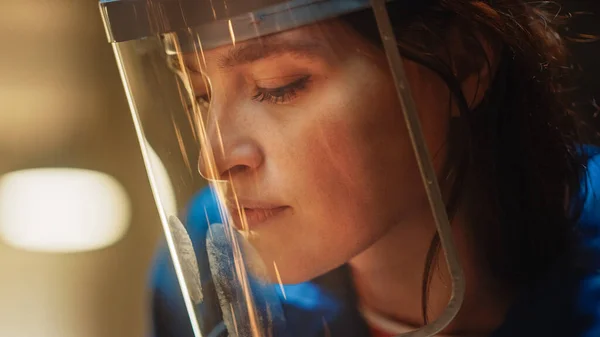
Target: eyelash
{"x":282,"y":94}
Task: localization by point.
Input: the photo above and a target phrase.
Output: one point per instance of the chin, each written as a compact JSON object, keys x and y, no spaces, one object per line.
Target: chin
{"x":281,"y":272}
{"x":287,"y":271}
{"x":293,"y":253}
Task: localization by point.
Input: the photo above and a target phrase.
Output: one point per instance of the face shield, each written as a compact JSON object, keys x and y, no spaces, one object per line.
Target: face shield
{"x":282,"y":141}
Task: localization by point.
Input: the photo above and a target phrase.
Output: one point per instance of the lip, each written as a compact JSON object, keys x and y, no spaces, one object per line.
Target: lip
{"x":254,"y":213}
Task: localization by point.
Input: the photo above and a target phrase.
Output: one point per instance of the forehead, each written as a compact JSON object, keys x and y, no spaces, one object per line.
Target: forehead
{"x":312,"y":41}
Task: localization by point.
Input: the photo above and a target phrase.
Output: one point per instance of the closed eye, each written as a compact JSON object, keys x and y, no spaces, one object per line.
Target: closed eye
{"x":283,"y":94}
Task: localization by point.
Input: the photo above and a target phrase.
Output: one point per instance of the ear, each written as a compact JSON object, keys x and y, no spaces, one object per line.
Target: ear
{"x":477,"y":84}
{"x":475,"y":60}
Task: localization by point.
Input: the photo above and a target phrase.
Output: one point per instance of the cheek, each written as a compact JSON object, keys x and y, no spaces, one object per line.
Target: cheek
{"x":345,"y":164}
{"x":350,"y":162}
{"x":336,"y":168}
{"x":336,"y":202}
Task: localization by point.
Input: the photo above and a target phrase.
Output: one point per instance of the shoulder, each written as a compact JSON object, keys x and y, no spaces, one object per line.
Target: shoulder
{"x":567,"y":302}
{"x":587,"y":301}
{"x":590,"y":189}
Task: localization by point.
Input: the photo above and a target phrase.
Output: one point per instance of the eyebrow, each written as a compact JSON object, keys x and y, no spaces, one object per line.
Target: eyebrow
{"x":268,"y":47}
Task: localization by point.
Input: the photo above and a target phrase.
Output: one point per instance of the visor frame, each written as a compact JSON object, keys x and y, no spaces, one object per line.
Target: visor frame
{"x":127,"y":20}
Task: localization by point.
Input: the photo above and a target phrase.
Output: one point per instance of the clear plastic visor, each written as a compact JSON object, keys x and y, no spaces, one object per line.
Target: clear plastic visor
{"x":288,"y":159}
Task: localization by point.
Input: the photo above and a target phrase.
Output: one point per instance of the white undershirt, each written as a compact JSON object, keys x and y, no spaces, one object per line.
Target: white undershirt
{"x":387,"y":325}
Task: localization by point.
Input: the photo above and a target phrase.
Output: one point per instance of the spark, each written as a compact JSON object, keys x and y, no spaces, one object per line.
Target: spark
{"x":235,"y":326}
{"x":220,"y":137}
{"x":241,"y":213}
{"x":279,"y":280}
{"x":326,"y":327}
{"x":231,"y":33}
{"x":181,"y":146}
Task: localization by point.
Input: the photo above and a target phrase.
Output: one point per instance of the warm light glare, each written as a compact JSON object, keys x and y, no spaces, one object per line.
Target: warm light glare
{"x":165,"y":190}
{"x":62,"y":210}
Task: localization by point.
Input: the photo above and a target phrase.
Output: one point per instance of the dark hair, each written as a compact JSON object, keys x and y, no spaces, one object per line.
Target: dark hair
{"x":516,"y":162}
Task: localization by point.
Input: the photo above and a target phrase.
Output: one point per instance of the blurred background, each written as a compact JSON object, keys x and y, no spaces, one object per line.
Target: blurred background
{"x":62,"y":105}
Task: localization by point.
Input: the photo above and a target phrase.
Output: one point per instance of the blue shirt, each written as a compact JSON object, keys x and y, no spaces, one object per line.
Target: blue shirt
{"x":567,"y":303}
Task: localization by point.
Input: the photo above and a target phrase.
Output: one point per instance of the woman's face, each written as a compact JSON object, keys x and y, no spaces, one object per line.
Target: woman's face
{"x":307,"y":127}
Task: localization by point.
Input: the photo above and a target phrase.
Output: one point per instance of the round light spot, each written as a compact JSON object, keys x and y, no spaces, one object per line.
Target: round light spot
{"x":62,"y":210}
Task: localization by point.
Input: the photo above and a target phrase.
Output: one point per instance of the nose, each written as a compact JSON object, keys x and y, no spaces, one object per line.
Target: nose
{"x":228,"y":150}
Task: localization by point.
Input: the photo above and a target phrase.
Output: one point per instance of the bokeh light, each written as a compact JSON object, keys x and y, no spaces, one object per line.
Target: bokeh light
{"x":62,"y":210}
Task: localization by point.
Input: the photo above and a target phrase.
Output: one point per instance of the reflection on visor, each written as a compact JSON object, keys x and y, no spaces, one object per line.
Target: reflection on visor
{"x":276,"y":19}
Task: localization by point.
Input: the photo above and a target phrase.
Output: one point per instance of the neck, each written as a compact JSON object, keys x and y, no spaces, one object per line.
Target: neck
{"x":389,"y":280}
